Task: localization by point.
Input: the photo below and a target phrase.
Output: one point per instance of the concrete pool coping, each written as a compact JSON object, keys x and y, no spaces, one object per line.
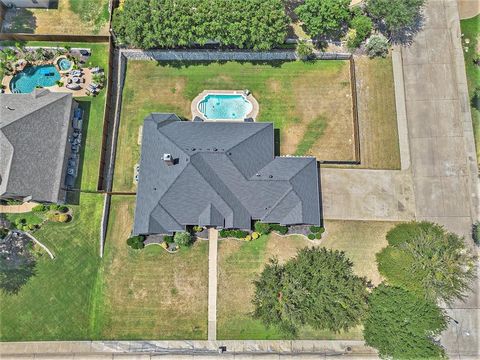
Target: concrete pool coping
{"x":252,"y":114}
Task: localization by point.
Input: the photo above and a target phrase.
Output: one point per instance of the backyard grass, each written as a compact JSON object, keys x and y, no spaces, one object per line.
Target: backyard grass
{"x":379,"y":147}
{"x":240,"y":262}
{"x":150,"y":294}
{"x":61,"y":301}
{"x":72,"y":17}
{"x":310,"y":102}
{"x":471,"y":30}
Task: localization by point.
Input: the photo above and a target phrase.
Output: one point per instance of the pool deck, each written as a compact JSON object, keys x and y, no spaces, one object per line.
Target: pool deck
{"x":252,"y":114}
{"x":86,"y":74}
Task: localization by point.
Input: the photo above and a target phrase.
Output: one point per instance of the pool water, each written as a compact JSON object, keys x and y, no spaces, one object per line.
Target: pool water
{"x":31,"y":77}
{"x":225,"y":106}
{"x":64,"y":64}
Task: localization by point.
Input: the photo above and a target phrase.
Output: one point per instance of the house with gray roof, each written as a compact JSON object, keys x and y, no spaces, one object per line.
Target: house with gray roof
{"x":220,"y":174}
{"x":35,"y":130}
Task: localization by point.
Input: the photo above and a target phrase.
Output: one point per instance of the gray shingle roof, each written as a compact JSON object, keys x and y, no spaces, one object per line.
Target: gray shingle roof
{"x":33,"y":142}
{"x":225,"y":174}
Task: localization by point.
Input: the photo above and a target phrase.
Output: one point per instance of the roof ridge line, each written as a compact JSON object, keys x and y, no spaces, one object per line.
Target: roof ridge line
{"x":255,"y":133}
{"x":279,"y":200}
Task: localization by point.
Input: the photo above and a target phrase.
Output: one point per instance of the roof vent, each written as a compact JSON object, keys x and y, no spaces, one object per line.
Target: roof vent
{"x":9,"y":108}
{"x":270,"y":176}
{"x":257,"y":174}
{"x":168,"y":159}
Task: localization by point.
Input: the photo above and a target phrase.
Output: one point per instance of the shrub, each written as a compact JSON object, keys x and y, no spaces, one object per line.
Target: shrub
{"x":315,"y":229}
{"x":183,"y":238}
{"x":63,"y":208}
{"x":31,"y":226}
{"x":279,"y":228}
{"x":20,"y":221}
{"x":362,"y":26}
{"x":136,"y":242}
{"x":14,"y":202}
{"x":3,"y":232}
{"x":262,"y":228}
{"x":197,"y":228}
{"x":61,"y":218}
{"x":248,"y":238}
{"x":311,"y":236}
{"x":255,"y":235}
{"x":377,"y":45}
{"x":39,"y":208}
{"x":54,"y":207}
{"x":476,"y":233}
{"x":239,"y":234}
{"x":168,"y":239}
{"x":318,"y":235}
{"x":304,"y":50}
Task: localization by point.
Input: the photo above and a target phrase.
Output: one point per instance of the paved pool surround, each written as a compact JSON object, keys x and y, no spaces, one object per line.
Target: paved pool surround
{"x":253,"y":113}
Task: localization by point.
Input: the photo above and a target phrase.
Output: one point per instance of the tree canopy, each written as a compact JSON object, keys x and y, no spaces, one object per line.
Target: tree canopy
{"x":427,"y":260}
{"x":395,"y":15}
{"x":17,"y":264}
{"x":254,"y":24}
{"x":316,"y":288}
{"x":324,"y":17}
{"x":401,"y":325}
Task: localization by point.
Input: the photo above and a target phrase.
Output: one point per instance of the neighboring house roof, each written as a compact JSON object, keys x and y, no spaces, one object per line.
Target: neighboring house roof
{"x":225,"y":174}
{"x":33,"y":140}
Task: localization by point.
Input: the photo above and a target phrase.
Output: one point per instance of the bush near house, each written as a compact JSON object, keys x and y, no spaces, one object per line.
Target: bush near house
{"x":377,"y":46}
{"x":136,"y":242}
{"x":39,"y":208}
{"x":183,"y":238}
{"x":239,"y":234}
{"x":251,"y":24}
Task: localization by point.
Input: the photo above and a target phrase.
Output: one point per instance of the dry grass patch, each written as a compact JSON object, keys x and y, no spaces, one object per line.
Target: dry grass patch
{"x":150,"y":294}
{"x":62,"y":20}
{"x":379,"y":147}
{"x":309,"y":102}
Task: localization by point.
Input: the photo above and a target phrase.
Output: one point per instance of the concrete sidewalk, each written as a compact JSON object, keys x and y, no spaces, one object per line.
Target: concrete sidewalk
{"x":212,"y":283}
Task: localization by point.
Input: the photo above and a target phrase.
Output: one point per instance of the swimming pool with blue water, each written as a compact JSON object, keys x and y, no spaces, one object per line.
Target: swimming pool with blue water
{"x":225,"y":106}
{"x":27,"y":80}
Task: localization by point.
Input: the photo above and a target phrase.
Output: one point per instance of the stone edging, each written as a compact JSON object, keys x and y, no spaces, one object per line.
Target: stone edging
{"x":37,"y":242}
{"x":234,"y":55}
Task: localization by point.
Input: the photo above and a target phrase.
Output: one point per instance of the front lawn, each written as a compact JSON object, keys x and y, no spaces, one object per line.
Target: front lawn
{"x":149,"y":293}
{"x":471,"y":30}
{"x":240,"y":262}
{"x":310,"y":102}
{"x":72,"y":17}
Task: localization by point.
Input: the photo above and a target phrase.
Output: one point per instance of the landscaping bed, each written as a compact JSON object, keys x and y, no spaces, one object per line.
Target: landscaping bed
{"x":309,"y":103}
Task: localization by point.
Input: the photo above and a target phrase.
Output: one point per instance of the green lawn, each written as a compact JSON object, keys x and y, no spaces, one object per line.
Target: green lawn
{"x":471,"y":30}
{"x":240,"y":262}
{"x":60,"y":302}
{"x":310,"y":102}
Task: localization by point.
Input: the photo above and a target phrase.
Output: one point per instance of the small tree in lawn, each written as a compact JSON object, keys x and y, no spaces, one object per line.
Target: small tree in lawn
{"x":377,"y":45}
{"x":136,"y":242}
{"x":401,"y":325}
{"x":325,"y":17}
{"x":183,"y":238}
{"x":316,"y":288}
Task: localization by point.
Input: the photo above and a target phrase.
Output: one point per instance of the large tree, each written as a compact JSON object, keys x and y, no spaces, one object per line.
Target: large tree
{"x":401,"y":325}
{"x":255,"y":24}
{"x":396,"y":15}
{"x":324,"y":17}
{"x":316,"y":288}
{"x":426,"y":259}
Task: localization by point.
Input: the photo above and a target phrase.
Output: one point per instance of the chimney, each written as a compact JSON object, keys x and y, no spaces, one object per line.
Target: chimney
{"x":167,"y":158}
